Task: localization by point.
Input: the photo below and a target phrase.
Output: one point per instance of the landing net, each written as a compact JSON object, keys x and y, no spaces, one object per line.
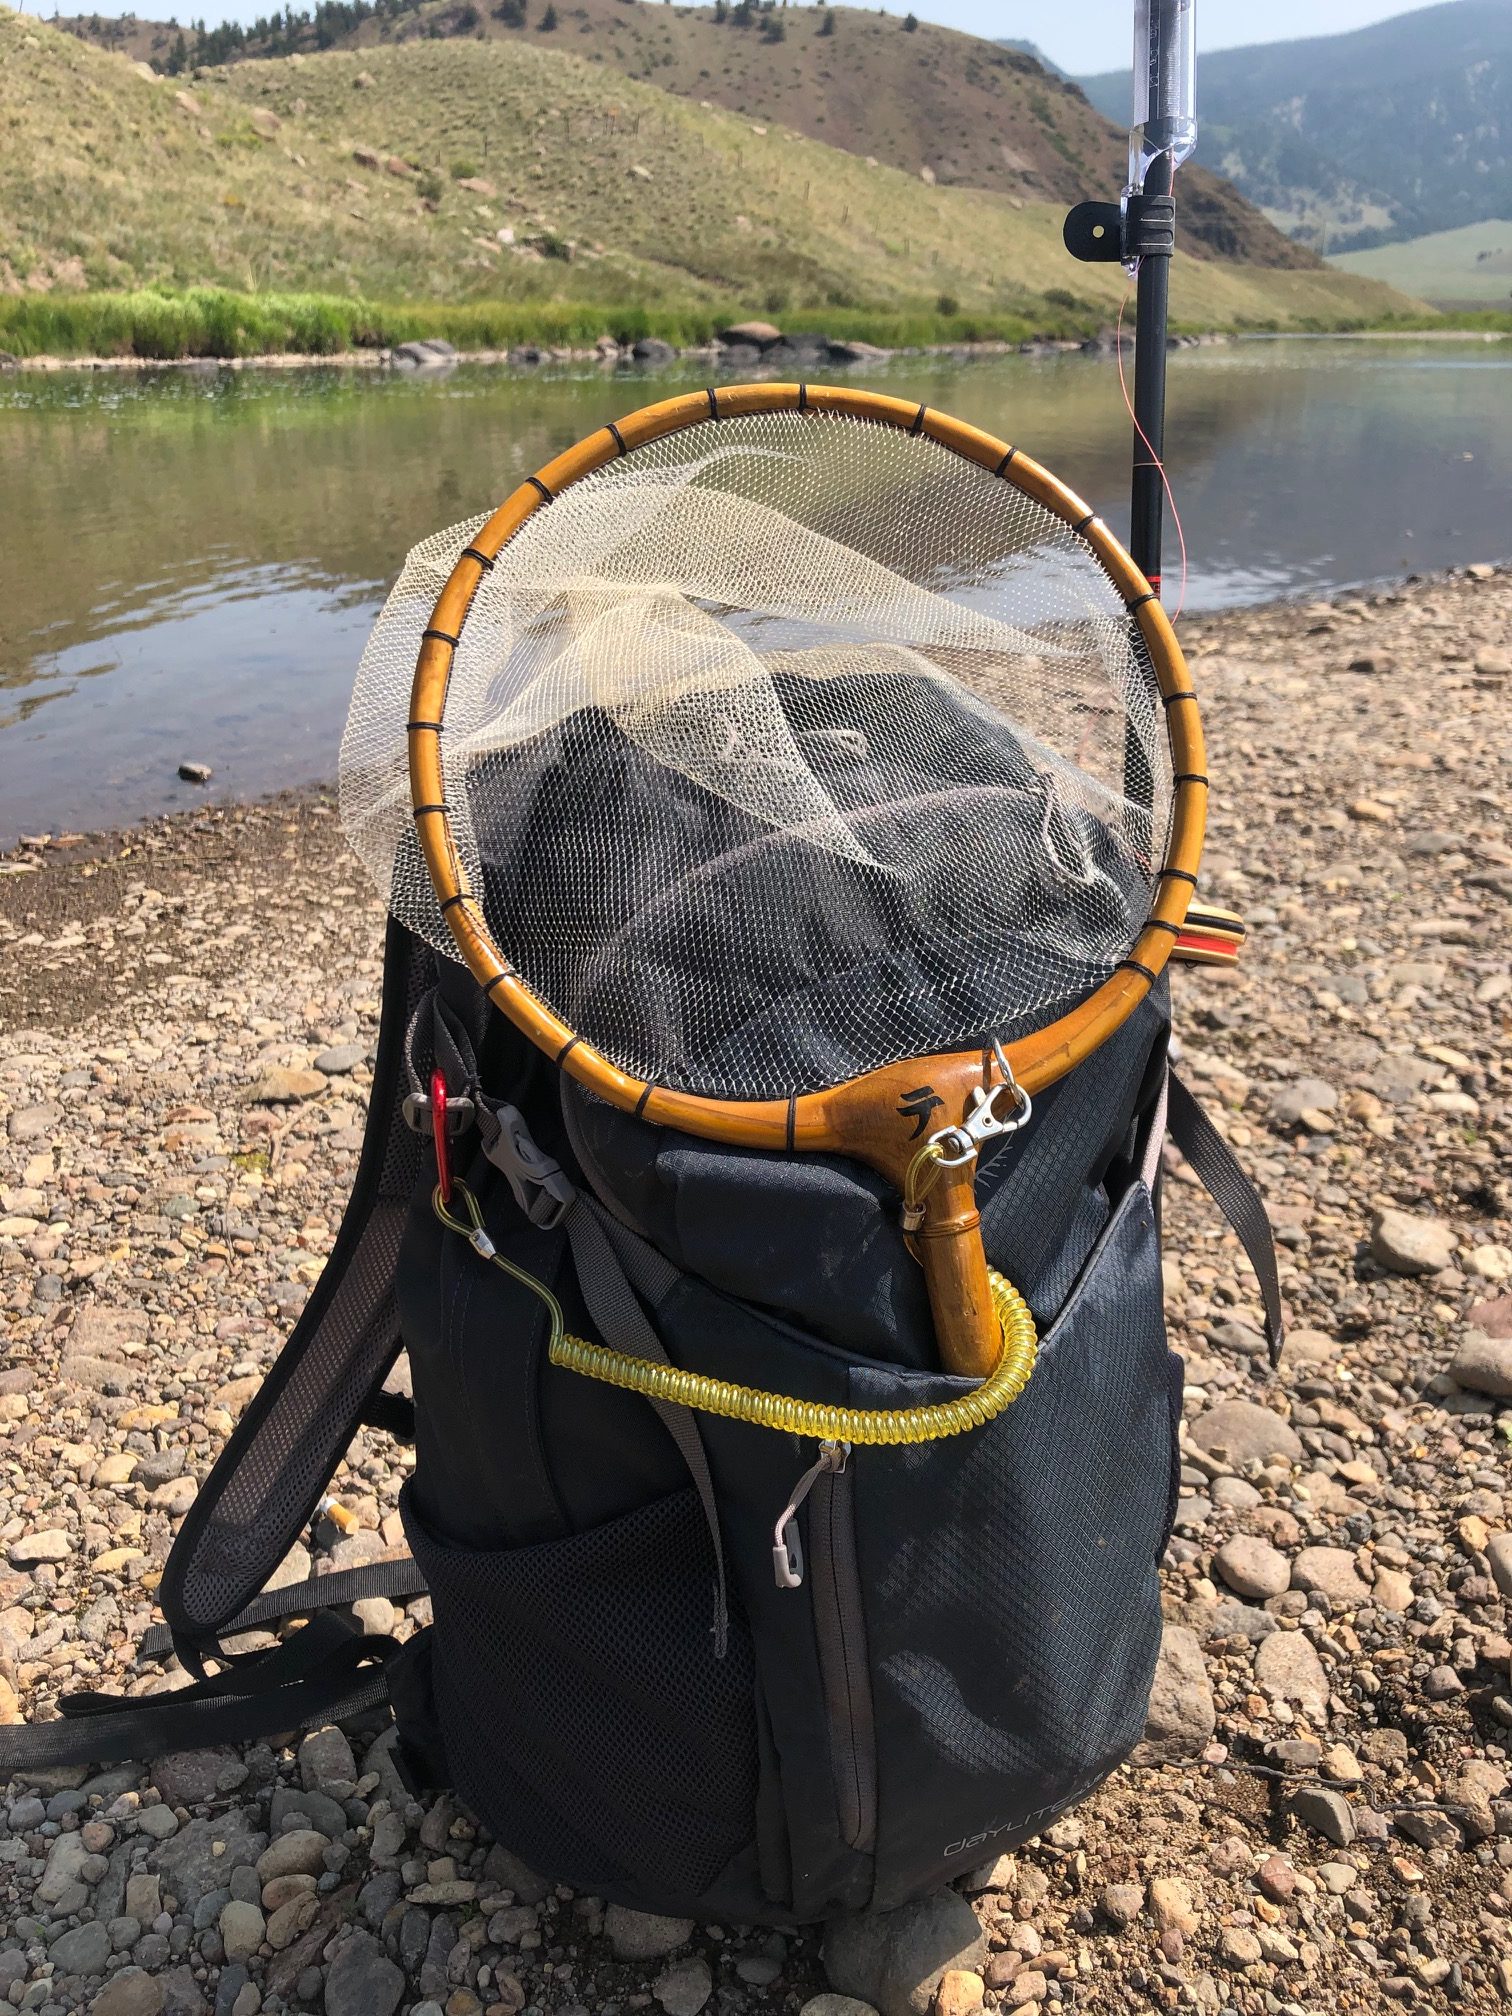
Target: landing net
{"x":782,"y":748}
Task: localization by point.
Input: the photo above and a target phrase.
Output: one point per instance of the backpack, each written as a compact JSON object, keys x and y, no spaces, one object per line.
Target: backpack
{"x":674,"y":1661}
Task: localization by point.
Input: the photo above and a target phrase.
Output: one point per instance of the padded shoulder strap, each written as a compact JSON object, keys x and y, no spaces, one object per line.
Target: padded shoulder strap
{"x":265,"y":1487}
{"x":1214,"y":1164}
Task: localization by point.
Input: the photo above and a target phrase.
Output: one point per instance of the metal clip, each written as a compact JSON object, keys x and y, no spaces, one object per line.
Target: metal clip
{"x":474,"y":1231}
{"x":986,"y":1118}
{"x":787,"y":1543}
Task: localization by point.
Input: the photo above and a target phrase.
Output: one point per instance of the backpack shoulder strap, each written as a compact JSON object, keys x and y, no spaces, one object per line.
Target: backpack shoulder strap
{"x":268,"y":1479}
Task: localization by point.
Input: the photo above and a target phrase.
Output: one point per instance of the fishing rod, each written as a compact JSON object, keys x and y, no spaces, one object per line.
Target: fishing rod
{"x":1140,"y":233}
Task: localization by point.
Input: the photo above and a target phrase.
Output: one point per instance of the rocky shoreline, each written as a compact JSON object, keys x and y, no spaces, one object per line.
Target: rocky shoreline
{"x":771,"y":351}
{"x":1321,"y":1814}
{"x":651,"y":351}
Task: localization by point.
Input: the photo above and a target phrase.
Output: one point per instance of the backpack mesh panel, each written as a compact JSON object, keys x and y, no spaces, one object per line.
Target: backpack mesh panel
{"x":253,"y":1504}
{"x":583,"y":1704}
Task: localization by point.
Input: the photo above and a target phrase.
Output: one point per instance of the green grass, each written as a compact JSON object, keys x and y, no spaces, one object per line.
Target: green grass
{"x":166,"y":324}
{"x":198,"y":322}
{"x":215,"y":322}
{"x":1470,"y":265}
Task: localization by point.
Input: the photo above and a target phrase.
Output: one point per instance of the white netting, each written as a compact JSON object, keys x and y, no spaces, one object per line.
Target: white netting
{"x":780,"y":749}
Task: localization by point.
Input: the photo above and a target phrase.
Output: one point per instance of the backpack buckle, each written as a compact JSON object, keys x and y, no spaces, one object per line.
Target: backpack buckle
{"x":541,"y":1188}
{"x":418,"y":1117}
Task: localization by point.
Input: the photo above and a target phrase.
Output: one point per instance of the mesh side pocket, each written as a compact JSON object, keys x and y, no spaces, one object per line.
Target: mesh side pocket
{"x":585,"y":1715}
{"x":1012,"y":1585}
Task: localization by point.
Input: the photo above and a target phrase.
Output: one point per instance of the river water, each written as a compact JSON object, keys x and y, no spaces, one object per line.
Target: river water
{"x":190,"y":562}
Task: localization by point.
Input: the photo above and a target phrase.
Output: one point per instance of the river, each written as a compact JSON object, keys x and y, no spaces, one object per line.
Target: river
{"x":190,"y":560}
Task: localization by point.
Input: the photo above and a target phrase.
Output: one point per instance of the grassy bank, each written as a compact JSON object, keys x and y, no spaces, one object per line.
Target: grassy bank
{"x":217,"y":322}
{"x":165,"y":324}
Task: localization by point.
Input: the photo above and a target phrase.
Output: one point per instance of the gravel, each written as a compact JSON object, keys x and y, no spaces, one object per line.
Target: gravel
{"x":187,"y":1021}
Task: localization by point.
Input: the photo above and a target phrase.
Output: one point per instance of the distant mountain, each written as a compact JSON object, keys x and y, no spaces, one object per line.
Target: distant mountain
{"x":1027,"y":48}
{"x":1391,"y":132}
{"x":950,"y":108}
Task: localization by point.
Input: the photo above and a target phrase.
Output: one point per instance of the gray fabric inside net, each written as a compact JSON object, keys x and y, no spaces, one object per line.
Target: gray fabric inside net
{"x":780,"y":749}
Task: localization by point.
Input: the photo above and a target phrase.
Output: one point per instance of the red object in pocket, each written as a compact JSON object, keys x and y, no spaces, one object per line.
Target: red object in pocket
{"x":438,"y":1129}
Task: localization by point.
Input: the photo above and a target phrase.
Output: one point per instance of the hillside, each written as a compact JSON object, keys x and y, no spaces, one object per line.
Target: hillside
{"x":967,"y":112}
{"x":459,"y":171}
{"x":1468,"y":268}
{"x":1391,"y":132}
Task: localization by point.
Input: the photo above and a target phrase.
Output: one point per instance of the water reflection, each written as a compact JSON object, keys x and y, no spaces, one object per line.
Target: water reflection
{"x":191,"y":561}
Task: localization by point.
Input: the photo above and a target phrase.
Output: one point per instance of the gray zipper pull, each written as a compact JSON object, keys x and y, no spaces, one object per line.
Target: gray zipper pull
{"x":787,"y":1544}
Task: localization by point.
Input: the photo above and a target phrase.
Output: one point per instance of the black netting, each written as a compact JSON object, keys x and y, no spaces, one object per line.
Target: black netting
{"x":585,"y":1714}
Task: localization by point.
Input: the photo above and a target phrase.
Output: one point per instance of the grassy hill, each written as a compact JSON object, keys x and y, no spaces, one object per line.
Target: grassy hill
{"x":1390,"y":132}
{"x":1468,"y":268}
{"x":968,"y":112}
{"x":454,"y":171}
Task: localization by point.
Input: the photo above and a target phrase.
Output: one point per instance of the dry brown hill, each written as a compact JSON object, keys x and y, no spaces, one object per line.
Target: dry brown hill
{"x":947,"y":106}
{"x":517,"y":174}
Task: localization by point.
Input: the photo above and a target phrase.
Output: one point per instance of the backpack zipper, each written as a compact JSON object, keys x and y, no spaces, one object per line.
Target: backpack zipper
{"x":787,"y":1541}
{"x":839,"y":1631}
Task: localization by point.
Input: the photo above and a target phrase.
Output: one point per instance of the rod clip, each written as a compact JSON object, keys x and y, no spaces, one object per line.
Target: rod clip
{"x":1141,"y":227}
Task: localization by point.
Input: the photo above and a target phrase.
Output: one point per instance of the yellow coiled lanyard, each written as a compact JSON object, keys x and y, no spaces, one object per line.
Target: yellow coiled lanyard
{"x":886,"y":1426}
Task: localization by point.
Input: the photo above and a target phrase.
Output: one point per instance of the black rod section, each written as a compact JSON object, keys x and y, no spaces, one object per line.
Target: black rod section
{"x":1147,"y":500}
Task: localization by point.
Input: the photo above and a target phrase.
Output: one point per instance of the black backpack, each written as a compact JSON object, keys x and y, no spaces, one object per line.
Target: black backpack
{"x":677,"y":1661}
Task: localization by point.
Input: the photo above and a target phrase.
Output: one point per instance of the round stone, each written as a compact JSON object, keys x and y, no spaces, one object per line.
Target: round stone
{"x":1244,"y":1432}
{"x":1252,"y":1567}
{"x":1409,"y":1245}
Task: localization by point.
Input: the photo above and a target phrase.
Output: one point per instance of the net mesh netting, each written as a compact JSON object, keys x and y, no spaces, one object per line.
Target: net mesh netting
{"x":780,"y":749}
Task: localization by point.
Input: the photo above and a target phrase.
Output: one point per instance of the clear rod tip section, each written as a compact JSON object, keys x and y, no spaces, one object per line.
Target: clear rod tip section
{"x":1165,"y":86}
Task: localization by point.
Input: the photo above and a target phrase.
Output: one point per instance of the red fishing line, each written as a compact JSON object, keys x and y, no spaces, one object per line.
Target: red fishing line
{"x":1164,"y":478}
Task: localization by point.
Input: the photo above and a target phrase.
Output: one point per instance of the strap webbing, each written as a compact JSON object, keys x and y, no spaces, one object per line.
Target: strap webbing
{"x":622,"y":1323}
{"x":325,"y":1673}
{"x":398,"y":1580}
{"x":1214,"y":1164}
